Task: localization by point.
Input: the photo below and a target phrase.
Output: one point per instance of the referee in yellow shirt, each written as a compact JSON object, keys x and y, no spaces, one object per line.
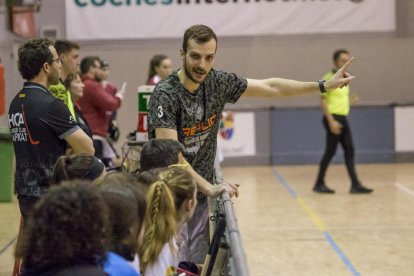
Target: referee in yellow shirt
{"x":335,"y":106}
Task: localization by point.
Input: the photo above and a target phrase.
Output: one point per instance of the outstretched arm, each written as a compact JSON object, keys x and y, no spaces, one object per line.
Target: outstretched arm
{"x":276,"y":87}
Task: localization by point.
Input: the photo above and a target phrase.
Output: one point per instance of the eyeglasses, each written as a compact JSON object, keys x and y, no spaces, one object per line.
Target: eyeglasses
{"x":58,"y":60}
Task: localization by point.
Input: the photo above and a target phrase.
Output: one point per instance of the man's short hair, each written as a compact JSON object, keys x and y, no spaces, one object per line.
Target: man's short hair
{"x":338,"y":53}
{"x":200,"y":33}
{"x":65,"y":46}
{"x":160,"y":153}
{"x":32,"y":55}
{"x":87,"y":63}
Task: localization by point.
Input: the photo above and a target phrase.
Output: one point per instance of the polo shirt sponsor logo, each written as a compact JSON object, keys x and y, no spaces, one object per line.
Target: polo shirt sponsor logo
{"x":18,"y":128}
{"x":18,"y":133}
{"x":71,"y":120}
{"x":16,"y":119}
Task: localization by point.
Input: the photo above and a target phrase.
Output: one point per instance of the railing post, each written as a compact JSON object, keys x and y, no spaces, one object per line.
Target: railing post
{"x":235,"y":241}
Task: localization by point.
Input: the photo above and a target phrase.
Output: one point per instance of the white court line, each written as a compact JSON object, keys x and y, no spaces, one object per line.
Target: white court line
{"x":404,"y":189}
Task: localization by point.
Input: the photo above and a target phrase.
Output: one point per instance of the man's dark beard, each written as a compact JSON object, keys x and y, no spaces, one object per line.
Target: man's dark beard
{"x":188,"y":73}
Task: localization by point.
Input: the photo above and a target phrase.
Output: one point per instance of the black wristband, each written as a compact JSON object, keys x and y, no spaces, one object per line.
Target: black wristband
{"x":322,"y":86}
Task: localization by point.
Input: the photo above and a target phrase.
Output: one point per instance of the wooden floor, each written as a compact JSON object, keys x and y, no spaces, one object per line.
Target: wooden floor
{"x":289,"y":230}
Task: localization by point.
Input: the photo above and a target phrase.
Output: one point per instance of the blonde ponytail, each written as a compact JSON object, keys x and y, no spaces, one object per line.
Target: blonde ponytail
{"x":160,"y":223}
{"x":165,"y":196}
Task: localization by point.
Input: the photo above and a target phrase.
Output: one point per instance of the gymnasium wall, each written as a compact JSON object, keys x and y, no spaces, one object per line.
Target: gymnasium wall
{"x":372,"y":129}
{"x":383,"y":64}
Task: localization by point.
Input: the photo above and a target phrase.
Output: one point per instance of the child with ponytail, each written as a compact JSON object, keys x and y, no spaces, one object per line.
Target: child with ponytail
{"x":78,"y":166}
{"x":171,"y":201}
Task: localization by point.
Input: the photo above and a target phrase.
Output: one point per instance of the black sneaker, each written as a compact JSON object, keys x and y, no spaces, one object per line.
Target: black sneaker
{"x":359,"y":189}
{"x":322,"y":188}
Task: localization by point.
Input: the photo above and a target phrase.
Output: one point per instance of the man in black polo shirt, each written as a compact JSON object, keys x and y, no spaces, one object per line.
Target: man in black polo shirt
{"x":41,"y":125}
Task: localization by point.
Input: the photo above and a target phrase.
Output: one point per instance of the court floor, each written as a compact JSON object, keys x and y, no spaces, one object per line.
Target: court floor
{"x":289,"y":230}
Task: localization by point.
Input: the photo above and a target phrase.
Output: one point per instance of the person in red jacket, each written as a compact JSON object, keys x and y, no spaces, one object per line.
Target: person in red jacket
{"x":96,"y":102}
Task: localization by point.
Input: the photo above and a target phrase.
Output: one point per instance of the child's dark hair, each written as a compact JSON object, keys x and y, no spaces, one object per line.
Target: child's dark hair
{"x":77,"y":166}
{"x":66,"y":226}
{"x":126,"y":205}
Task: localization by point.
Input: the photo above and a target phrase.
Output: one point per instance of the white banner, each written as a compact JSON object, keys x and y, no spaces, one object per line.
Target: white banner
{"x":136,"y":19}
{"x":237,"y":135}
{"x":404,"y":129}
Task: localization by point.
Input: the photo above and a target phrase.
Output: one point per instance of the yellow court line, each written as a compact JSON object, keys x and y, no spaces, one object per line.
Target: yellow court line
{"x":318,"y":222}
{"x":313,"y":216}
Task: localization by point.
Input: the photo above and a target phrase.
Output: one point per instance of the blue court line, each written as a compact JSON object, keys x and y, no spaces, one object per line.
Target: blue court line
{"x":318,"y":223}
{"x":285,"y":183}
{"x":340,"y":253}
{"x":8,"y":245}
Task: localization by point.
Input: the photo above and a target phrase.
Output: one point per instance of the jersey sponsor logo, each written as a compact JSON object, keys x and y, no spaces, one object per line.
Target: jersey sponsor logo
{"x":193,"y":144}
{"x":196,"y":135}
{"x":71,"y":120}
{"x":200,"y":127}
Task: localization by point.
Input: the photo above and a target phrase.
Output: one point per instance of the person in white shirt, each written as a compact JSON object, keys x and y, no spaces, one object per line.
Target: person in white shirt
{"x":171,"y":202}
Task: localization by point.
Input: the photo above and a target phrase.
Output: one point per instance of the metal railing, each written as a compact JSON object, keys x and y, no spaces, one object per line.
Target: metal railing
{"x":238,"y":260}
